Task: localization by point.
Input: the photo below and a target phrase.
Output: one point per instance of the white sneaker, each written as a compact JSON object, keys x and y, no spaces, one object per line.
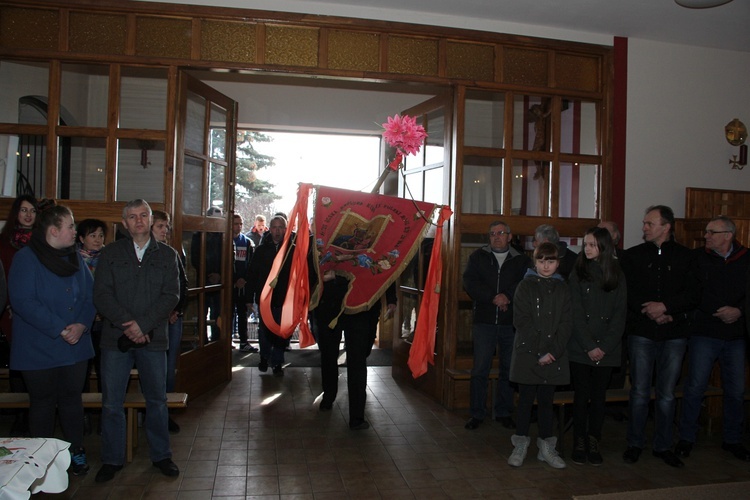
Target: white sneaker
{"x":520,"y":449}
{"x":548,"y":453}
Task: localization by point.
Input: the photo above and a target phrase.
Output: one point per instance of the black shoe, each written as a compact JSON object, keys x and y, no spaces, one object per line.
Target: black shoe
{"x":472,"y":424}
{"x":325,"y":405}
{"x":632,"y":454}
{"x":263,"y":365}
{"x":669,"y":458}
{"x":506,"y":422}
{"x":737,"y":450}
{"x":278,"y":371}
{"x":174,"y":427}
{"x":594,"y":457}
{"x":107,"y":473}
{"x":167,"y":467}
{"x":579,"y":451}
{"x":359,"y":425}
{"x":78,"y":464}
{"x":683,"y":448}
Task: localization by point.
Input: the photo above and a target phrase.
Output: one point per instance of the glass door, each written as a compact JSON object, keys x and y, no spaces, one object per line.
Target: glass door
{"x":206,"y":132}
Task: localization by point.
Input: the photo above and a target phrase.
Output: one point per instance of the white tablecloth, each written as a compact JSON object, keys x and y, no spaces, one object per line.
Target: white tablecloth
{"x":36,"y":464}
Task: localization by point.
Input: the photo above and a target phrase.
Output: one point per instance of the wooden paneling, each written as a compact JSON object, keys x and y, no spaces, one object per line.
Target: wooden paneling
{"x":241,"y":39}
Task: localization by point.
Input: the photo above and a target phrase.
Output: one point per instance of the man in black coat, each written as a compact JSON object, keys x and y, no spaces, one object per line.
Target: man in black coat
{"x":718,"y":334}
{"x":490,"y":279}
{"x":662,"y":291}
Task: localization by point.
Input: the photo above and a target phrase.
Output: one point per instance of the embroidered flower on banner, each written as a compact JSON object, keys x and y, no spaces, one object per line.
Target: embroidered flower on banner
{"x":403,"y":134}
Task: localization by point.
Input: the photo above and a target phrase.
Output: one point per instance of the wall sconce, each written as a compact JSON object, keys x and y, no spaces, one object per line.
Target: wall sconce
{"x":736,"y":134}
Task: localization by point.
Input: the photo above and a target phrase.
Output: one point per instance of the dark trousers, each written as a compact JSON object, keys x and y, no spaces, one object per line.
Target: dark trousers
{"x":589,"y":399}
{"x":544,"y":395}
{"x":56,"y":390}
{"x":359,"y":332}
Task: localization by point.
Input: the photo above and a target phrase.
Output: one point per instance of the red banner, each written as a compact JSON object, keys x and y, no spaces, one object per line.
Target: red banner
{"x":369,"y":238}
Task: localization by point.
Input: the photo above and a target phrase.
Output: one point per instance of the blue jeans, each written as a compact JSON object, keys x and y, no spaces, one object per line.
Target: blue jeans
{"x":487,"y":339}
{"x":152,"y":371}
{"x":175,"y":346}
{"x":666,"y":357}
{"x":702,"y":354}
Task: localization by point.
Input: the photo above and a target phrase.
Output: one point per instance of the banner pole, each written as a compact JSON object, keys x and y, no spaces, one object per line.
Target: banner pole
{"x":387,"y":170}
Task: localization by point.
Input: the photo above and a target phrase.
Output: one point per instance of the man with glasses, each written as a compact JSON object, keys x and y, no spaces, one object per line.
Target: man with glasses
{"x":662,"y":291}
{"x":490,"y":279}
{"x":718,"y":334}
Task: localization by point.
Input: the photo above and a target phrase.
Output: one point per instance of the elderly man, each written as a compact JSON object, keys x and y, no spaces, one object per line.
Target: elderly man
{"x":490,"y":279}
{"x":544,"y":233}
{"x":614,"y":232}
{"x":136,"y":289}
{"x":662,"y":290}
{"x":718,"y":334}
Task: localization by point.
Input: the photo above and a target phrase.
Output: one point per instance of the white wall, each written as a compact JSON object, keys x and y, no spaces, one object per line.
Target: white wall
{"x":679,"y":100}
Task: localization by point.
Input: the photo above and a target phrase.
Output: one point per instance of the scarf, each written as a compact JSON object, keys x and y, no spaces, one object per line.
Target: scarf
{"x":20,"y":237}
{"x":91,"y":258}
{"x":62,"y":262}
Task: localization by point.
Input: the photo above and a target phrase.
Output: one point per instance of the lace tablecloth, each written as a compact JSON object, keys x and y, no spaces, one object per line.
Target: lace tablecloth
{"x":33,"y":465}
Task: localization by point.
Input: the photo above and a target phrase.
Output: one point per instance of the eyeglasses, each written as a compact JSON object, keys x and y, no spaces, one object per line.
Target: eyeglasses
{"x":498,"y":233}
{"x":711,"y":232}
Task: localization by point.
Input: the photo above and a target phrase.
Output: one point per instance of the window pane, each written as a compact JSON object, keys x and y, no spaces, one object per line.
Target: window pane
{"x":409,"y":315}
{"x":216,"y":184}
{"x":530,"y":188}
{"x":485,"y":114}
{"x":433,"y":185}
{"x":84,"y":95}
{"x":140,"y":170}
{"x":189,"y":238}
{"x":218,"y":147}
{"x":532,"y":126}
{"x":579,"y":190}
{"x":143,"y":98}
{"x":195,"y":123}
{"x":192,"y":191}
{"x":81,"y":167}
{"x":191,"y":336}
{"x":18,"y":80}
{"x":22,"y":164}
{"x":434,"y":144}
{"x":414,"y":186}
{"x":579,"y":127}
{"x":483,"y":185}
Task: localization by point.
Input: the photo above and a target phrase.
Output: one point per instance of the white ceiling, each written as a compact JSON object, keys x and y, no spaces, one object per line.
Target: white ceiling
{"x":724,"y":27}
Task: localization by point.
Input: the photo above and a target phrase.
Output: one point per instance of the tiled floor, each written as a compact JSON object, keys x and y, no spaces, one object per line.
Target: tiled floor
{"x":263,"y":437}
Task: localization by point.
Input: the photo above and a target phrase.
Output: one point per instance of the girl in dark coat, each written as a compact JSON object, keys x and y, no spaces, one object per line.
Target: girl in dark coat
{"x":599,"y":299}
{"x":543,"y":320}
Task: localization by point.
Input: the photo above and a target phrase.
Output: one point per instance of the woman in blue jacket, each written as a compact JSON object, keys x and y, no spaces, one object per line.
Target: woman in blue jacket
{"x":51,"y":292}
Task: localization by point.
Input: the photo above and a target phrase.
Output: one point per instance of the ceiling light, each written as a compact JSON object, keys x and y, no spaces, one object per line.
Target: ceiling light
{"x":701,"y":4}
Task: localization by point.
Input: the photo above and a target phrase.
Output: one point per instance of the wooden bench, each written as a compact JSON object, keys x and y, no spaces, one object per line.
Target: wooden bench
{"x":133,"y":403}
{"x":565,"y":398}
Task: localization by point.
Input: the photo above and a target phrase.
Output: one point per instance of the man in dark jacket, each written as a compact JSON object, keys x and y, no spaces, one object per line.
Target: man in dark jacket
{"x":136,"y":288}
{"x":662,"y":290}
{"x":271,"y":345}
{"x":718,"y":333}
{"x":490,"y":279}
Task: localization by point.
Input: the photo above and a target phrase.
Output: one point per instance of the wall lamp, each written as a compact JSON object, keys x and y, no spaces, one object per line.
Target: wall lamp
{"x":736,"y":134}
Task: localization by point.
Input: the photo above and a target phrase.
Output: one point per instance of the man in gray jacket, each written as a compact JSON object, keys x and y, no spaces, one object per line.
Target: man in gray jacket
{"x":135,"y":290}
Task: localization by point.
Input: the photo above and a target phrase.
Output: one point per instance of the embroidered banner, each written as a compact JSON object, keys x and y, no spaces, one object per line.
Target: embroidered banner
{"x":369,"y":238}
